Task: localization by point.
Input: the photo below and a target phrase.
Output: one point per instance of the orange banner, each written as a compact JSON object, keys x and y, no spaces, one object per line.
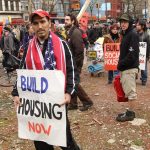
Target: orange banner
{"x":111,"y":55}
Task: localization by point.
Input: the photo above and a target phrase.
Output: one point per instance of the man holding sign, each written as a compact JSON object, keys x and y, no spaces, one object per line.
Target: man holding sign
{"x":144,"y":49}
{"x":47,"y":52}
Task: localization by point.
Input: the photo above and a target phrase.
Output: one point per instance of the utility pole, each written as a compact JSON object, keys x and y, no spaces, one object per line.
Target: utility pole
{"x":128,"y":6}
{"x":145,"y":10}
{"x":106,"y":9}
{"x":148,"y":6}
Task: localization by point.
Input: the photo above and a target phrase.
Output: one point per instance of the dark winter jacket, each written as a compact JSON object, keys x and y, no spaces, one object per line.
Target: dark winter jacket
{"x":144,"y":37}
{"x":94,"y":34}
{"x":72,"y":74}
{"x":26,"y":40}
{"x":75,"y":41}
{"x":129,"y":50}
{"x":8,"y":43}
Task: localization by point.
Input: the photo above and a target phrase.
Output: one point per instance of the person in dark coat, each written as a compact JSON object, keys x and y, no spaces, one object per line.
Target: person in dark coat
{"x":75,"y":41}
{"x":94,"y":33}
{"x":128,"y":65}
{"x":144,"y":37}
{"x":8,"y":45}
{"x":28,"y":36}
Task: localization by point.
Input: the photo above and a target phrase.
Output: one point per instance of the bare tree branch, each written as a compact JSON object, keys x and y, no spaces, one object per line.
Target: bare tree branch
{"x":92,"y":5}
{"x":133,"y":7}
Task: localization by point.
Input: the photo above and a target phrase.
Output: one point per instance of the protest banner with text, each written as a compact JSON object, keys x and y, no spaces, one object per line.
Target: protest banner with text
{"x":40,"y":117}
{"x":111,"y":55}
{"x":142,"y":55}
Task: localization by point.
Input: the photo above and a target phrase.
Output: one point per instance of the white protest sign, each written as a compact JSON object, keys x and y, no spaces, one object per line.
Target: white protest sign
{"x":142,"y":55}
{"x":99,"y":49}
{"x":40,"y":116}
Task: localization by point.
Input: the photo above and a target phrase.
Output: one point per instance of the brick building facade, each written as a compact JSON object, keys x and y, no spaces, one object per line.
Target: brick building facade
{"x":116,"y":8}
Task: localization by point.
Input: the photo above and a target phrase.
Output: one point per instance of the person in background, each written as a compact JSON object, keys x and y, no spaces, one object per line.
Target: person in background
{"x":105,"y":29}
{"x":148,"y":27}
{"x":17,"y":38}
{"x":95,"y":33}
{"x":7,"y":45}
{"x":144,"y":37}
{"x":16,"y":32}
{"x":112,"y":37}
{"x":128,"y":66}
{"x":59,"y":32}
{"x":75,"y":41}
{"x":28,"y":36}
{"x":84,"y":37}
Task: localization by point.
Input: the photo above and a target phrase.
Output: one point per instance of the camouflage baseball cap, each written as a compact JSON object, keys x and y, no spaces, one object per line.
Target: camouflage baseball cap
{"x":124,"y":17}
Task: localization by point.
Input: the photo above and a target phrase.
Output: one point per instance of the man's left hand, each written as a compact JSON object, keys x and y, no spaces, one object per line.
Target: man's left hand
{"x":67,"y":99}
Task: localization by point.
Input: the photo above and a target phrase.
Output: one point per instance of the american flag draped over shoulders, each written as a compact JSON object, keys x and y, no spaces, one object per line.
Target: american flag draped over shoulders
{"x":54,"y":55}
{"x":50,"y":63}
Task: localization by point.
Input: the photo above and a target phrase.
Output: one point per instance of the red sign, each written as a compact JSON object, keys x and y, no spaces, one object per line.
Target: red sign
{"x":1,"y":28}
{"x":17,"y":21}
{"x":111,"y":55}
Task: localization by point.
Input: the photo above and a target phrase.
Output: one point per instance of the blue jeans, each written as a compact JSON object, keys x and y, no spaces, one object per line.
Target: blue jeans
{"x":144,"y":74}
{"x":112,"y":74}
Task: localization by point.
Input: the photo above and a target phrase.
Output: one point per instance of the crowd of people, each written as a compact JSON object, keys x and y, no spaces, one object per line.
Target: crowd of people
{"x":38,"y":37}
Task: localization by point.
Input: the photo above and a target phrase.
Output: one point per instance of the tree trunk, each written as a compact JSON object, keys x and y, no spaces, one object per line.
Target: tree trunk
{"x":63,"y":5}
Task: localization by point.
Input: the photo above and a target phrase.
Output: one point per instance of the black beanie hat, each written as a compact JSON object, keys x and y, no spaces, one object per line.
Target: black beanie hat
{"x":6,"y":29}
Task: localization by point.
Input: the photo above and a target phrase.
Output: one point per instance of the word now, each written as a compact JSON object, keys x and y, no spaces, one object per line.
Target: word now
{"x":38,"y":128}
{"x":30,"y":84}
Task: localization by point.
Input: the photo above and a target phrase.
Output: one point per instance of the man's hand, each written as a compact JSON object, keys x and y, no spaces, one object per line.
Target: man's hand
{"x":67,"y":99}
{"x":16,"y":101}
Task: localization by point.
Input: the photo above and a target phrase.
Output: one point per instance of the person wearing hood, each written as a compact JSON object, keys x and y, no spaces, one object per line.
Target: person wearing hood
{"x":144,"y":37}
{"x":112,"y":37}
{"x":7,"y":45}
{"x":128,"y":65}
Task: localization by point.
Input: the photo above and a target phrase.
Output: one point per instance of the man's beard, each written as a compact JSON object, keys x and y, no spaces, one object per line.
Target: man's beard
{"x":68,"y":26}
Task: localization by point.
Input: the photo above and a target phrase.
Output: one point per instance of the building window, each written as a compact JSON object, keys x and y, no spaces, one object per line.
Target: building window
{"x":6,"y":5}
{"x":1,"y":5}
{"x":37,"y":4}
{"x":26,"y":18}
{"x":27,"y":8}
{"x":17,"y":5}
{"x":11,"y":6}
